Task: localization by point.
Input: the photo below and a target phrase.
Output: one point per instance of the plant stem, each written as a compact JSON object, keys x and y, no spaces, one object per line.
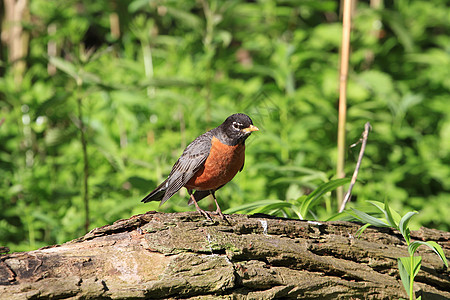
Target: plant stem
{"x":210,"y":51}
{"x":85,"y":158}
{"x":411,"y":278}
{"x":148,"y":65}
{"x":30,"y":225}
{"x":411,"y":272}
{"x":345,"y":50}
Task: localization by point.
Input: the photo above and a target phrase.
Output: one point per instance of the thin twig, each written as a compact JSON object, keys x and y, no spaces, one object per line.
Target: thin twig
{"x":363,"y":141}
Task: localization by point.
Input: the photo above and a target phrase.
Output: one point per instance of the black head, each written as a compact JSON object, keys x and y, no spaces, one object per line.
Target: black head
{"x":236,"y":128}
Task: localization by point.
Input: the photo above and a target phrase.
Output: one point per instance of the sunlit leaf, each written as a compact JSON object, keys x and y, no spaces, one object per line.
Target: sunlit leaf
{"x":324,"y":188}
{"x":361,"y":229}
{"x":380,"y":207}
{"x":274,"y":206}
{"x":255,"y":205}
{"x":438,"y":249}
{"x":417,"y":262}
{"x":432,"y":245}
{"x":404,"y":265}
{"x":389,"y":215}
{"x":136,"y":5}
{"x":185,"y":17}
{"x":409,"y":267}
{"x":403,"y":225}
{"x":65,"y":66}
{"x":344,"y":216}
{"x":369,"y":219}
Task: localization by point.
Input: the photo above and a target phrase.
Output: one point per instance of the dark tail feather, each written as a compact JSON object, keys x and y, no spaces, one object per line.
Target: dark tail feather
{"x":157,"y":194}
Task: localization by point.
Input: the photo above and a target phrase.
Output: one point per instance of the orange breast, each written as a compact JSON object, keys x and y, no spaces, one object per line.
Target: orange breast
{"x":220,"y":167}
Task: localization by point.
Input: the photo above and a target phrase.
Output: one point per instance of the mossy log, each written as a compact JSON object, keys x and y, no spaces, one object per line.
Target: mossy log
{"x":182,"y":255}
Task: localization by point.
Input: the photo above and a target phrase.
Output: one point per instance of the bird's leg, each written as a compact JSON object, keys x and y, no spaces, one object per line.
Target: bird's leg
{"x":218,"y":210}
{"x":204,"y":213}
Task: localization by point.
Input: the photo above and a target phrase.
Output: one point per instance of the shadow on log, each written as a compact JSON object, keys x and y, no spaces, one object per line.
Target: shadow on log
{"x":181,"y":255}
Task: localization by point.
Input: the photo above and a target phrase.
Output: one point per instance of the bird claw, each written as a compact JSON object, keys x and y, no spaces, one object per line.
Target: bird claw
{"x":205,"y":214}
{"x":219,"y":212}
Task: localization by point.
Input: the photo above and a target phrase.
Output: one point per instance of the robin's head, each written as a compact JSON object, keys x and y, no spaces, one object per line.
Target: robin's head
{"x":237,"y":128}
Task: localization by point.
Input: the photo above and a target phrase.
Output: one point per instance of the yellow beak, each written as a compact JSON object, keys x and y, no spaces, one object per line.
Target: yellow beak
{"x":251,"y":128}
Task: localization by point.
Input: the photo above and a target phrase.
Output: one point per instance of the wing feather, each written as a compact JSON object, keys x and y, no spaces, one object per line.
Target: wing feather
{"x":188,"y":164}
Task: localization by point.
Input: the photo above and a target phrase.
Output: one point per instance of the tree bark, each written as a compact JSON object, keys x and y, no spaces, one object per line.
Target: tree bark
{"x":182,"y":255}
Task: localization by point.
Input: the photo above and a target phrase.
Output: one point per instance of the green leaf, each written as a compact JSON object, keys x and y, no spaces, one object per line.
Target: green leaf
{"x":404,"y":275}
{"x":136,"y":5}
{"x":369,"y":219}
{"x":380,"y":207}
{"x":188,"y":19}
{"x":412,"y":264}
{"x":65,"y":66}
{"x":255,"y":205}
{"x":392,"y":217}
{"x":324,"y":188}
{"x":417,"y":262}
{"x":414,"y":245}
{"x":297,"y":212}
{"x":274,"y":206}
{"x":361,"y":230}
{"x":397,"y":217}
{"x":342,"y":216}
{"x":389,"y":216}
{"x":90,"y":78}
{"x":432,"y":245}
{"x":285,"y":169}
{"x":167,"y":82}
{"x":401,"y":31}
{"x":403,"y":225}
{"x":435,"y":246}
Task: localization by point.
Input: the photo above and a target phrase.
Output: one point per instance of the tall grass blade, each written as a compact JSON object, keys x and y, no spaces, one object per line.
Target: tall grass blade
{"x":324,"y":188}
{"x":369,"y":219}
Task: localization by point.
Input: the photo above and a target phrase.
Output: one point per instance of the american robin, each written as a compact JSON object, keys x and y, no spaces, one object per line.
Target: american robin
{"x":208,"y":163}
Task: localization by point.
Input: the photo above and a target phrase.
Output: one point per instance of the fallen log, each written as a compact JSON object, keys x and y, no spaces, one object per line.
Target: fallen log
{"x":182,"y":255}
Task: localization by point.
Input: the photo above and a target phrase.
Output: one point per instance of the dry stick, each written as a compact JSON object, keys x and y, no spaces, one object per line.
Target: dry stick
{"x":345,"y":53}
{"x":363,"y":140}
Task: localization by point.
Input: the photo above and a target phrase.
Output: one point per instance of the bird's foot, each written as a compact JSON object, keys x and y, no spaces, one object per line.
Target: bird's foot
{"x":205,"y":214}
{"x":201,"y":211}
{"x":219,"y":212}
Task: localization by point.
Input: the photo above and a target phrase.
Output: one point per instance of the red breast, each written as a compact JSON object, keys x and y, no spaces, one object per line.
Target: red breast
{"x":219,"y":168}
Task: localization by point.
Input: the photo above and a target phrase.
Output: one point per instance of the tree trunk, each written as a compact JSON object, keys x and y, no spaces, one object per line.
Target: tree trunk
{"x":182,"y":255}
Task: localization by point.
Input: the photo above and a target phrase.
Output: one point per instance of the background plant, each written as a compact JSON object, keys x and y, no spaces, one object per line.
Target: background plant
{"x":162,"y":72}
{"x":409,"y":266}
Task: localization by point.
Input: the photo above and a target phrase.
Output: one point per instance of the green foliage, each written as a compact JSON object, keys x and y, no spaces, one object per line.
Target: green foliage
{"x":298,"y":208}
{"x":409,"y":266}
{"x":179,"y":68}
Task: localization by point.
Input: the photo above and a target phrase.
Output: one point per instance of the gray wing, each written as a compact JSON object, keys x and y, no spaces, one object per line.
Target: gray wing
{"x":188,"y":164}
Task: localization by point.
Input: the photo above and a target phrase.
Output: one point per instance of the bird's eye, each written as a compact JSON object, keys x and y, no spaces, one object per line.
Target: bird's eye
{"x":237,"y":126}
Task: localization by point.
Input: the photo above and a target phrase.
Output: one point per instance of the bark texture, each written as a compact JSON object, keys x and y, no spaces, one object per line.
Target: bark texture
{"x":181,"y":255}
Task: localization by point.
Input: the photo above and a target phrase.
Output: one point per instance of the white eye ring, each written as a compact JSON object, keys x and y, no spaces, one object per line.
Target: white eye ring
{"x":237,"y":125}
